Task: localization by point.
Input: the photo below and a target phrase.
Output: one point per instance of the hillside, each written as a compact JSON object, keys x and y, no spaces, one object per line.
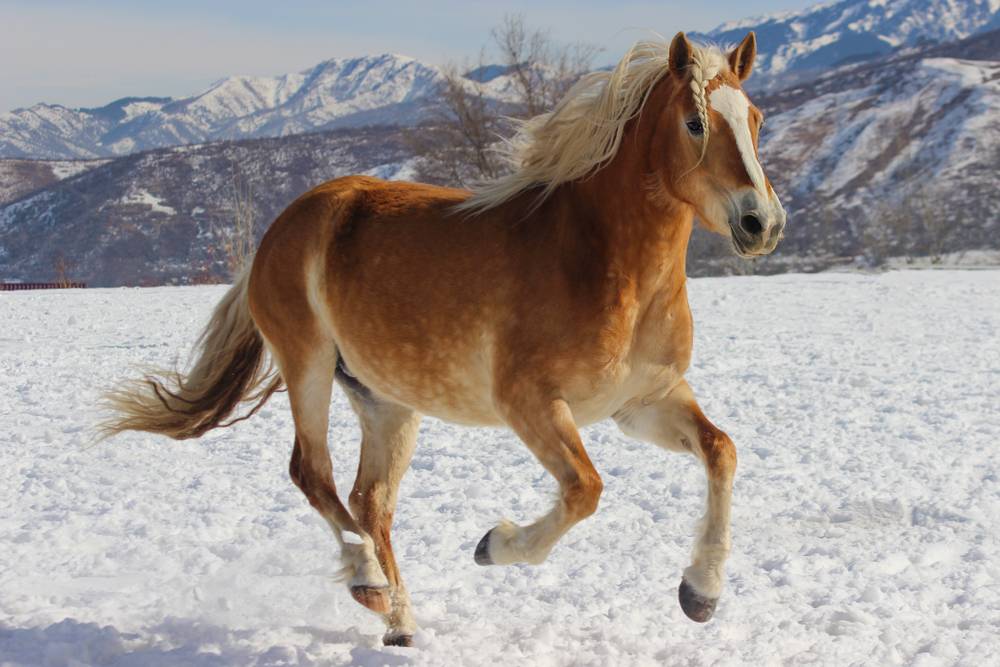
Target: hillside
{"x":153,"y":218}
{"x":898,"y":156}
{"x":21,"y":177}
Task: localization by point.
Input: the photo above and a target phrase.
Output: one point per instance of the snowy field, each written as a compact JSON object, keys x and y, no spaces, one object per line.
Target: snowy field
{"x":866,"y":518}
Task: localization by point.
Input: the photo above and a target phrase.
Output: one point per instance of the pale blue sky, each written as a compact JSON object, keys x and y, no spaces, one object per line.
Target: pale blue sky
{"x":89,"y":52}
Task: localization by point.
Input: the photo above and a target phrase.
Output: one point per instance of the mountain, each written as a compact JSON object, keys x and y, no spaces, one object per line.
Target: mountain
{"x":161,"y":216}
{"x":836,"y":33}
{"x":348,"y":92}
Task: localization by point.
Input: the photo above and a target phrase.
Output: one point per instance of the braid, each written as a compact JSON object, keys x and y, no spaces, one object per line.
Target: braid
{"x":701,"y":73}
{"x":698,"y":87}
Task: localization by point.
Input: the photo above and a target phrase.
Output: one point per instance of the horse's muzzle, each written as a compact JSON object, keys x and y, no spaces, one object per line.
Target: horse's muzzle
{"x":757,"y":224}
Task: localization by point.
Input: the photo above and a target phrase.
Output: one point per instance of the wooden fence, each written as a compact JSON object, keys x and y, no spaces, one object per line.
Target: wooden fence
{"x":15,"y":287}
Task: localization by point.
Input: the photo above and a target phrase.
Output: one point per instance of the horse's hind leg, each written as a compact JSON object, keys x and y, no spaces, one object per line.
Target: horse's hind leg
{"x":310,"y":384}
{"x":675,"y":422}
{"x":389,"y":433}
{"x":548,"y":429}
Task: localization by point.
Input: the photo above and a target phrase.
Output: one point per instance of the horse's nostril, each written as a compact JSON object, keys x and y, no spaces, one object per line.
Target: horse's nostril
{"x":751,"y":224}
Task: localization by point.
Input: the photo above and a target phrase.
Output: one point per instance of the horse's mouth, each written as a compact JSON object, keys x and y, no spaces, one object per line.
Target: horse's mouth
{"x":741,"y":248}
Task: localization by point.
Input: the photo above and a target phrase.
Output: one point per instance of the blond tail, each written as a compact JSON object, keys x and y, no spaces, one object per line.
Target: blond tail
{"x":232,"y":368}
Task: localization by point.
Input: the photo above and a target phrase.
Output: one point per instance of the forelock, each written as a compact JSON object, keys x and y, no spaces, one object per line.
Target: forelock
{"x":707,"y":62}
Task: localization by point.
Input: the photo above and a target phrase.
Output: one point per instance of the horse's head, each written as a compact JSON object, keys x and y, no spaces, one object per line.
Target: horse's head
{"x":713,"y":129}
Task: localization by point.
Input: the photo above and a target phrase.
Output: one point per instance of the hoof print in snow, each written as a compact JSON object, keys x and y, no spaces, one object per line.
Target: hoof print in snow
{"x":374,"y":597}
{"x":697,"y":607}
{"x":398,"y":640}
{"x":483,"y":550}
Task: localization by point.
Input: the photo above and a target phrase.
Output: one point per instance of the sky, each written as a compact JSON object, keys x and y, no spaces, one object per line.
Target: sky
{"x":83,"y":53}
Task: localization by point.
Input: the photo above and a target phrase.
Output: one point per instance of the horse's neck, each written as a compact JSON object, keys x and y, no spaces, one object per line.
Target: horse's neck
{"x":645,"y":236}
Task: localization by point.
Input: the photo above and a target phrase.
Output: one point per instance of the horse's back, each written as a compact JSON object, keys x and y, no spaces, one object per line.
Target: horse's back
{"x":404,"y":287}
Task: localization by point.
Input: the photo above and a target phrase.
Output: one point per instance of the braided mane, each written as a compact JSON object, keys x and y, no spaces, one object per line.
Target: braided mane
{"x":585,"y":129}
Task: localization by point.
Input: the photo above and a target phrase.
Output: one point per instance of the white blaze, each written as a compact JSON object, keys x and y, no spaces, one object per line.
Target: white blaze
{"x":734,"y":106}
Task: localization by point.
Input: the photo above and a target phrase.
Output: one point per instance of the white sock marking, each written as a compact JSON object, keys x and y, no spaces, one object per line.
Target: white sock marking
{"x":350,"y":537}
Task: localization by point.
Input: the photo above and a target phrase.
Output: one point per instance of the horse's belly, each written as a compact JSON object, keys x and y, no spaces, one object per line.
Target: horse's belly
{"x":606,"y":398}
{"x":453,"y":386}
{"x":469,"y":408}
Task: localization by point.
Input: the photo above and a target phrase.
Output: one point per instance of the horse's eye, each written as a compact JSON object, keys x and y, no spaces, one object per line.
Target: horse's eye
{"x":694,"y":127}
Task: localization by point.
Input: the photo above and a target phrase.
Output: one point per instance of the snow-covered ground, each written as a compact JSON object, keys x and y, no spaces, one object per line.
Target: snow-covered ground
{"x":865,"y":524}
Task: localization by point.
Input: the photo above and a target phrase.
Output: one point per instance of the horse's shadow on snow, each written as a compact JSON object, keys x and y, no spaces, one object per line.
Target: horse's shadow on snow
{"x":181,"y":642}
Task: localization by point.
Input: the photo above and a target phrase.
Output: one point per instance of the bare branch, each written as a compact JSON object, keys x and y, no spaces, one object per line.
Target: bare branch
{"x":456,"y":145}
{"x":238,"y":239}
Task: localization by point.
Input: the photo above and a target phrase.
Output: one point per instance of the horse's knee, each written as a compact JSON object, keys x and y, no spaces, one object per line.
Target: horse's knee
{"x":583,"y":495}
{"x":717,"y":449}
{"x":313,"y":484}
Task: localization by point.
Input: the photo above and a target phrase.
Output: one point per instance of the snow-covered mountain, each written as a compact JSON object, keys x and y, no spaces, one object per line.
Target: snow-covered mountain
{"x":391,"y":89}
{"x":347,"y":92}
{"x":843,"y":31}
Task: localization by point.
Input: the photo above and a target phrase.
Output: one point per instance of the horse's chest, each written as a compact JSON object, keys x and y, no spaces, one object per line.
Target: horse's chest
{"x":642,"y":356}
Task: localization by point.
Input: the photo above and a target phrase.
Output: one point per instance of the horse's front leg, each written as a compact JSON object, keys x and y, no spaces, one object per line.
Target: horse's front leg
{"x":675,"y":422}
{"x":546,"y":426}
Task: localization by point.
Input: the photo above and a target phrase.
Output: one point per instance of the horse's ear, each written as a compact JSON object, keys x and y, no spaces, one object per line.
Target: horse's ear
{"x":741,"y":58}
{"x":680,"y":55}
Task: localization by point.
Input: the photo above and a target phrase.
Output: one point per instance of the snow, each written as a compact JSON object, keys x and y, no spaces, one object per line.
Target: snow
{"x":8,"y":214}
{"x":395,"y":171}
{"x":68,"y":168}
{"x":968,"y":73}
{"x":864,"y":408}
{"x":148,"y":199}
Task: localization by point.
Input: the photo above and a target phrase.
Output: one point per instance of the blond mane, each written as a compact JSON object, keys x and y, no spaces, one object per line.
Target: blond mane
{"x":585,"y":129}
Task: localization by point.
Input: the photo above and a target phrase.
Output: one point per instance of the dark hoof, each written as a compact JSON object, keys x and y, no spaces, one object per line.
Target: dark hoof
{"x":398,"y":640}
{"x":697,"y":607}
{"x":483,"y":550}
{"x":376,"y":599}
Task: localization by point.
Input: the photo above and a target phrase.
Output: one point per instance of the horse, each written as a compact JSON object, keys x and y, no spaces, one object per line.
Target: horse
{"x":549,"y":298}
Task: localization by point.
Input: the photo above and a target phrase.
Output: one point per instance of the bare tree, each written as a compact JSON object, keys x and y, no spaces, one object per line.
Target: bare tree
{"x":238,"y":238}
{"x":912,"y":224}
{"x":456,"y":145}
{"x":884,"y":229}
{"x":62,"y":268}
{"x":542,"y":71}
{"x":935,"y":226}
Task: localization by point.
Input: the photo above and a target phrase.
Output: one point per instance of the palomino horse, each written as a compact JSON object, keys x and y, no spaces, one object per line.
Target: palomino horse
{"x":549,"y":298}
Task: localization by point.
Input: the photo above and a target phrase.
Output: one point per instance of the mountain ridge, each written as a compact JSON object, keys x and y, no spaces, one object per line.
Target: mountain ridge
{"x":338,"y":92}
{"x":838,"y":32}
